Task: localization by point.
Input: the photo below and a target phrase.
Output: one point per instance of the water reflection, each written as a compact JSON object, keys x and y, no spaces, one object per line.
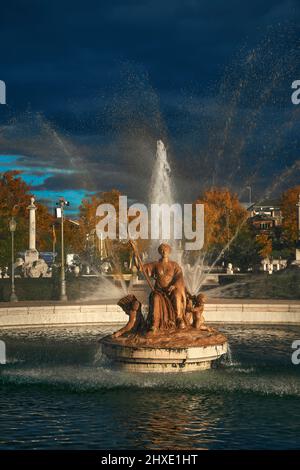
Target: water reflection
{"x":60,"y":396}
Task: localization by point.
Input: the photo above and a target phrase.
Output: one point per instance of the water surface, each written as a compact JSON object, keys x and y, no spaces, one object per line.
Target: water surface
{"x":58,"y":393}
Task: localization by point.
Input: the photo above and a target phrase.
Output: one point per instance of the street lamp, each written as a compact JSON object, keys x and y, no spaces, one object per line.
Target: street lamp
{"x":12,"y":228}
{"x":60,"y":214}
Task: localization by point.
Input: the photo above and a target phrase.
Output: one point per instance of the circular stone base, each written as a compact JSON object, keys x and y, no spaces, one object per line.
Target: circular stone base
{"x":160,"y":354}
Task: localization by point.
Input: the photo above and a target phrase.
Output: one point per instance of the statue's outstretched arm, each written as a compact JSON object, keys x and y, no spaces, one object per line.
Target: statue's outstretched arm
{"x":129,"y":325}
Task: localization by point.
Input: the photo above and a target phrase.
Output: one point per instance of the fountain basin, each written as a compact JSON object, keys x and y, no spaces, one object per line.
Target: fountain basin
{"x":132,"y":355}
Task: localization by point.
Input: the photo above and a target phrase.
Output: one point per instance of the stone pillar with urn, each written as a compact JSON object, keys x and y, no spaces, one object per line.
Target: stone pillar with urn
{"x":32,"y":254}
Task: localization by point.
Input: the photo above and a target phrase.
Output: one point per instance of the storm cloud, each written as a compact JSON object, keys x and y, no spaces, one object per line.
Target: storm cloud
{"x":91,"y":86}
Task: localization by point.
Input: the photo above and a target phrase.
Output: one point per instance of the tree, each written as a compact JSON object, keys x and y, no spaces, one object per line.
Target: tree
{"x":244,"y":250}
{"x":13,"y":193}
{"x":289,"y":200}
{"x":88,"y":208}
{"x":74,"y":236}
{"x":14,"y":199}
{"x":88,"y":221}
{"x":223,"y":214}
{"x":265,"y":246}
{"x":44,"y":223}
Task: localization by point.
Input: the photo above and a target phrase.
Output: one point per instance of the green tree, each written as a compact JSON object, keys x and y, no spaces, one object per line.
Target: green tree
{"x":244,"y":250}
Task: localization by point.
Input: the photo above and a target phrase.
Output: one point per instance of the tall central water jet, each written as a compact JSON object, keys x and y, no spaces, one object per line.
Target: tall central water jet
{"x":161,"y":192}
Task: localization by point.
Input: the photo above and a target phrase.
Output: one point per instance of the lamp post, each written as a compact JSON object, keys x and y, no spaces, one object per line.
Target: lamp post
{"x":12,"y":228}
{"x":60,"y":214}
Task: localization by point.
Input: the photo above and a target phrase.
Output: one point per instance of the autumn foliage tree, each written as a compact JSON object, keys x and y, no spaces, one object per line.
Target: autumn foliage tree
{"x":265,"y":245}
{"x":44,"y":223}
{"x":223,"y":215}
{"x":88,"y":208}
{"x":14,"y":199}
{"x":289,"y":200}
{"x":89,"y":219}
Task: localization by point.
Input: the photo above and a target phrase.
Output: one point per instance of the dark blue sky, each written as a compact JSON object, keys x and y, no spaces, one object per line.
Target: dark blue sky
{"x":92,"y":85}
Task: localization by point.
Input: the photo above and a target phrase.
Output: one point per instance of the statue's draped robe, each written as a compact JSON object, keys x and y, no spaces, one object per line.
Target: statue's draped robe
{"x":161,"y":305}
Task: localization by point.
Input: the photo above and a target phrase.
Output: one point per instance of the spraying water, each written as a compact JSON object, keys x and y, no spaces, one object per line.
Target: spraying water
{"x":161,"y":191}
{"x":229,"y":359}
{"x":160,"y":187}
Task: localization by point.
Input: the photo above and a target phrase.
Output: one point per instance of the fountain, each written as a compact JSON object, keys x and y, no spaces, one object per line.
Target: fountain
{"x":173,"y":336}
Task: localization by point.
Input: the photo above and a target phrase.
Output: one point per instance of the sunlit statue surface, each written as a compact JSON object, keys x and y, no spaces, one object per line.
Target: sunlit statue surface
{"x":167,"y":302}
{"x":171,"y":308}
{"x":132,"y":308}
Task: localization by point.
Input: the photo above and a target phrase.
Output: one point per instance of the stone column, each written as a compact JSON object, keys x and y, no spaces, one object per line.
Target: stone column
{"x":32,"y":225}
{"x":32,"y":254}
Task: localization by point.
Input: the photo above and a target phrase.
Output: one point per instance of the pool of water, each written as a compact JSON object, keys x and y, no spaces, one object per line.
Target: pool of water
{"x":57,"y":392}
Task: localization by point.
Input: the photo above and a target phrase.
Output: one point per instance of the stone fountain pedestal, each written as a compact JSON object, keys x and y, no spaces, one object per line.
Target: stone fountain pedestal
{"x":183,"y":351}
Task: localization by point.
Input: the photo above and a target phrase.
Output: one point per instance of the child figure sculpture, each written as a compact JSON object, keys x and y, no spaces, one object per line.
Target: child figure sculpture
{"x":132,"y":308}
{"x":194,"y":312}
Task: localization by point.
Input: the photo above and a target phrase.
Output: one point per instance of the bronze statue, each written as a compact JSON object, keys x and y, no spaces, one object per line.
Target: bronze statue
{"x":136,"y":322}
{"x":171,"y":307}
{"x":167,"y":301}
{"x":194,"y":312}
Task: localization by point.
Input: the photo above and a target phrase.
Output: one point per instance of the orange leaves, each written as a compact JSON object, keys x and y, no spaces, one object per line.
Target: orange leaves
{"x":89,"y":206}
{"x":289,"y":202}
{"x":265,"y":245}
{"x":14,"y":194}
{"x":223,"y":214}
{"x":14,"y":200}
